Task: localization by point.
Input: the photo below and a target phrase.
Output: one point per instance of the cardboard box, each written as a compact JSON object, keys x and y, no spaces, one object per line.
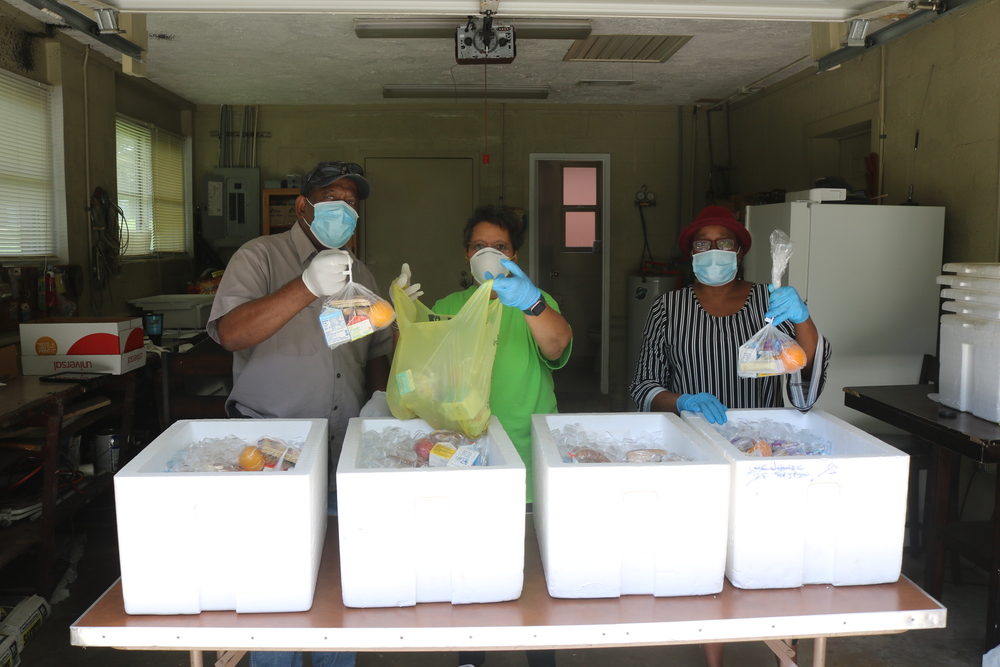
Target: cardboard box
{"x":612,"y":529}
{"x":797,"y":520}
{"x":448,"y":534}
{"x":9,"y":656}
{"x":180,"y":311}
{"x":243,"y":541}
{"x":24,"y":621}
{"x":99,"y":345}
{"x":8,"y":363}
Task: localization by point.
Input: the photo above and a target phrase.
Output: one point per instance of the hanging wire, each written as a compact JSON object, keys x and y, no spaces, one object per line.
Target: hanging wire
{"x":486,"y":118}
{"x":111,"y":239}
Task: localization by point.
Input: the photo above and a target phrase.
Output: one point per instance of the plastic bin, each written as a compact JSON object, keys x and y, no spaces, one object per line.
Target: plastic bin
{"x":969,"y":373}
{"x":797,"y":520}
{"x":612,"y":529}
{"x":180,"y":311}
{"x":232,"y":541}
{"x":448,"y":534}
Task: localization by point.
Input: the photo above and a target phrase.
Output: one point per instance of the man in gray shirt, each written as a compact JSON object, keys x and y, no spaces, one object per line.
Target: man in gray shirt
{"x":267,"y":313}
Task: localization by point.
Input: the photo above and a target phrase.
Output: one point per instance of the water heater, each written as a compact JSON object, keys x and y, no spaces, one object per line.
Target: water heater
{"x":642,"y":292}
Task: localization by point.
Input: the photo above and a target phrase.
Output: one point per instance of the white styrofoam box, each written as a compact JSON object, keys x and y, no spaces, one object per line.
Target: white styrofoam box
{"x":180,"y":311}
{"x":611,"y":529}
{"x":983,"y":269}
{"x":445,"y":534}
{"x":818,"y":195}
{"x":973,"y":283}
{"x":100,"y":344}
{"x":971,"y":297}
{"x":797,"y":520}
{"x":973,"y":309}
{"x":203,"y":541}
{"x":969,"y":365}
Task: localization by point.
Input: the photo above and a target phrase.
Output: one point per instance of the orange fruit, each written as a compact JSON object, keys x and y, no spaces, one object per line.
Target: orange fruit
{"x":793,"y":357}
{"x":381,"y":314}
{"x":251,"y":458}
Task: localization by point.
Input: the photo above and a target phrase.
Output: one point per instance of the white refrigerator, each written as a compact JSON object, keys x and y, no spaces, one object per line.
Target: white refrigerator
{"x":868,"y":275}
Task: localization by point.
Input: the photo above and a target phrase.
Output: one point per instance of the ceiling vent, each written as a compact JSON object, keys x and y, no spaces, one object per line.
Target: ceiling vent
{"x":625,"y":48}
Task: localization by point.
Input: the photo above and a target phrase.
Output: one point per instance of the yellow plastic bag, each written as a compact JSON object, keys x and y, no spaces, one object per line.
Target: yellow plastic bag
{"x":443,"y":366}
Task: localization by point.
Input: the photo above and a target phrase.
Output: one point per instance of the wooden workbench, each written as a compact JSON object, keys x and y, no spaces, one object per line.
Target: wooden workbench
{"x":535,"y":620}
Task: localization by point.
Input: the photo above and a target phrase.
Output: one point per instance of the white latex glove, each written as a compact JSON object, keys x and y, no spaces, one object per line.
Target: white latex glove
{"x":403,"y":281}
{"x":328,"y":272}
{"x":377,"y":406}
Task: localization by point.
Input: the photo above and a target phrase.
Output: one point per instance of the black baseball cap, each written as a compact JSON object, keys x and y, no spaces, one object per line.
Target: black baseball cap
{"x":327,"y":172}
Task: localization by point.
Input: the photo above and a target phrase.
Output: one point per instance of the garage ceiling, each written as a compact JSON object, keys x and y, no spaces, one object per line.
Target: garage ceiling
{"x":306,"y":52}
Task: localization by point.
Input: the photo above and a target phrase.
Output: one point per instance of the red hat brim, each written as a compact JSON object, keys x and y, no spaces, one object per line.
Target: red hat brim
{"x":714,"y":215}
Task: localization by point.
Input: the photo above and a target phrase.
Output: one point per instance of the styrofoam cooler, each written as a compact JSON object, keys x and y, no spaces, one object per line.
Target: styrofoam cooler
{"x":969,"y":372}
{"x":243,"y":541}
{"x":448,"y":534}
{"x":611,"y":529}
{"x":832,"y":519}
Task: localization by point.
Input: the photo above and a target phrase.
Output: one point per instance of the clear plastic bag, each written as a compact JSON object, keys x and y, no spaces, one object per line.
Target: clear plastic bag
{"x":442,"y":369}
{"x":771,"y":352}
{"x":352,"y":313}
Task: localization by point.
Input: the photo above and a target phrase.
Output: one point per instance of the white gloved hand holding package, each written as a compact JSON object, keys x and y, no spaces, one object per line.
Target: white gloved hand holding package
{"x":328,"y":272}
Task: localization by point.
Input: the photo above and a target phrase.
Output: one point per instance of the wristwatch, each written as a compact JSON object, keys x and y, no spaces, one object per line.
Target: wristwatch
{"x":537,"y":307}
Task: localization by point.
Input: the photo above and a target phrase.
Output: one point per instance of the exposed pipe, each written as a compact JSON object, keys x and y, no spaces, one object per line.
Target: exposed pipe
{"x":881,"y":127}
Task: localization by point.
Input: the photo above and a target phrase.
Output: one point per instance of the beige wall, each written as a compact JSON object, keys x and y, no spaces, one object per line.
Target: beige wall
{"x":642,"y":142}
{"x":953,"y":63}
{"x":89,"y":135}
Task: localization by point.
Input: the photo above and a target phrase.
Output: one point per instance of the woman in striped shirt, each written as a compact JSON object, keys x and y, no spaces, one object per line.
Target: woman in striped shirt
{"x":689,"y":349}
{"x":692,"y":335}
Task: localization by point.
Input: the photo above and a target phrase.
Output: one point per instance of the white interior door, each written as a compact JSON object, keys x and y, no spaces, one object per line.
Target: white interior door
{"x":576,"y":277}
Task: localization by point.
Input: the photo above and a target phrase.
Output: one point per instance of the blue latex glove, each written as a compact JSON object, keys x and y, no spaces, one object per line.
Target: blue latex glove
{"x":515,"y":290}
{"x":706,"y":404}
{"x":785,"y":304}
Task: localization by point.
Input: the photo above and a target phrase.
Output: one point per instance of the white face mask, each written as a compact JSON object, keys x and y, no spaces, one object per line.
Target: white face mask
{"x":486,"y":261}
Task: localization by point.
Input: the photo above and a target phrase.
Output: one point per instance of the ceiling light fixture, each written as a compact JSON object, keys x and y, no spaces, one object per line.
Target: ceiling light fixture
{"x":464,"y":91}
{"x":605,"y":82}
{"x":399,"y":28}
{"x":85,"y":24}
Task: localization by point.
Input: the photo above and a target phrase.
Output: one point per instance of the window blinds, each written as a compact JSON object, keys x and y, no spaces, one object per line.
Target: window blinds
{"x":27,"y":209}
{"x":151,"y":188}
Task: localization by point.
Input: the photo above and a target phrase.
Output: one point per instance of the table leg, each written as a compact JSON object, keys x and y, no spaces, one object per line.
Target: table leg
{"x":993,"y":599}
{"x":784,"y":652}
{"x":939,"y":484}
{"x":50,"y":498}
{"x":819,"y":652}
{"x":197,"y":659}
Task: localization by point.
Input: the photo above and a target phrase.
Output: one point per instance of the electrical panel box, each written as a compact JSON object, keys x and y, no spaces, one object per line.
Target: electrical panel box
{"x":232,"y":207}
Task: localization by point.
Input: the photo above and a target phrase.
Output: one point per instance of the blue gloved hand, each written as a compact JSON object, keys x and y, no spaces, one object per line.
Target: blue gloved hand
{"x":785,"y":304}
{"x":515,"y":290}
{"x":706,"y":404}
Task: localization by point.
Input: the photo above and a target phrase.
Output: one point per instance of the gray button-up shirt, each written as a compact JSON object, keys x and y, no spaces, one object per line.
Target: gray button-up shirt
{"x":293,"y":373}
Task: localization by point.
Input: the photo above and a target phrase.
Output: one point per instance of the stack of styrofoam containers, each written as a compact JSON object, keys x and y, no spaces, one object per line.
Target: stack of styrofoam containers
{"x":244,"y":541}
{"x":611,"y":529}
{"x":448,"y":534}
{"x":969,"y":359}
{"x":821,"y":519}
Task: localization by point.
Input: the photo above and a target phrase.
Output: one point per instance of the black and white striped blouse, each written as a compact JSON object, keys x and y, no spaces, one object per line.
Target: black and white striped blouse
{"x":687,"y":351}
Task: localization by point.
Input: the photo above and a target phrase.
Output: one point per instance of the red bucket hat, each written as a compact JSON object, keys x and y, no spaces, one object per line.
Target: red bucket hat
{"x":714,"y":215}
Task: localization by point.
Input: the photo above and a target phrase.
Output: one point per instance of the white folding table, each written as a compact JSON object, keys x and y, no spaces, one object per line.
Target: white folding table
{"x":535,"y":620}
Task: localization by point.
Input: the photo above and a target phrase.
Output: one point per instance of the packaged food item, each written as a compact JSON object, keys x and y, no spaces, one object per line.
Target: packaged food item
{"x":770,"y":351}
{"x":353,"y":313}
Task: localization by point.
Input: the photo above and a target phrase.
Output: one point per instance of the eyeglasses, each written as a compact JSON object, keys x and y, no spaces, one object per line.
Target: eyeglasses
{"x":720,"y":244}
{"x":500,"y":247}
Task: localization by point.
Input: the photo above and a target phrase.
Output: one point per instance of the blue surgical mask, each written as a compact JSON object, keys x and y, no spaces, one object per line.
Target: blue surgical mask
{"x":714,"y":267}
{"x":333,"y":222}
